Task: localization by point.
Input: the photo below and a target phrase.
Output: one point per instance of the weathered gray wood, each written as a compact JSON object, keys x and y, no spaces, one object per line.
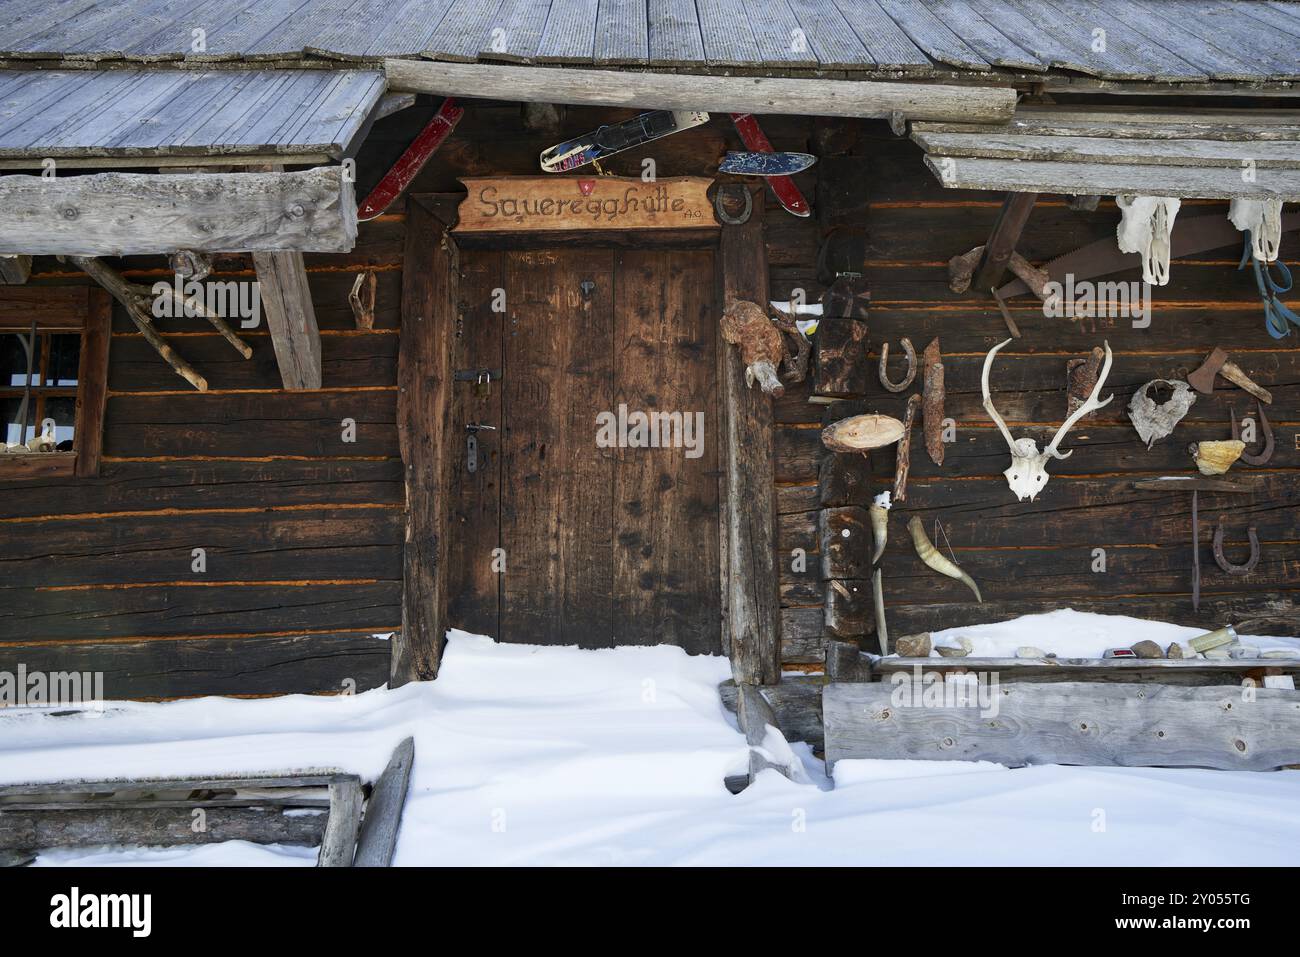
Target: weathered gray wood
{"x":383,"y":818}
{"x":845,"y":535}
{"x":756,"y":716}
{"x":846,"y":662}
{"x":290,"y":318}
{"x":796,"y":702}
{"x":1280,"y":154}
{"x":430,"y":303}
{"x":1135,"y":122}
{"x":1124,"y":725}
{"x":570,"y":32}
{"x":28,"y":828}
{"x":931,"y":34}
{"x":15,"y":270}
{"x":303,"y":779}
{"x":751,"y":626}
{"x":728,"y":37}
{"x":714,"y":93}
{"x":1075,"y":179}
{"x":116,"y":214}
{"x":673,"y":33}
{"x":961,"y":19}
{"x":339,"y":843}
{"x":1230,"y":669}
{"x":621,"y":32}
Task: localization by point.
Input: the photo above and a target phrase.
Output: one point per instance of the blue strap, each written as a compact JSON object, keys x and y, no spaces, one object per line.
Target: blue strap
{"x":1278,"y":317}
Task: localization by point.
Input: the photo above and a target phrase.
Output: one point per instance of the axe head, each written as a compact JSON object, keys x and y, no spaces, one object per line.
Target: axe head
{"x":1202,"y":380}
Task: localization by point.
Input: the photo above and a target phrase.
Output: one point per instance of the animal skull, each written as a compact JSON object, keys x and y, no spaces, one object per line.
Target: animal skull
{"x":1027,"y":475}
{"x":1262,"y":218}
{"x":1145,"y":228}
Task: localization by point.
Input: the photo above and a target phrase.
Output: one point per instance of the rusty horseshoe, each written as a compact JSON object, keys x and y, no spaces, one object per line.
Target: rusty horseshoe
{"x":1264,"y":454}
{"x":1246,"y":567}
{"x":911,"y":366}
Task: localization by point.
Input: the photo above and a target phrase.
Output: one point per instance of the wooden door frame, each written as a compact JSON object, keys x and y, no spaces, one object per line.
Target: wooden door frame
{"x":750,"y":590}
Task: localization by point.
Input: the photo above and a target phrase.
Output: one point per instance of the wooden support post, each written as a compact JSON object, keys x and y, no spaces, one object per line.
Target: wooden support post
{"x":15,"y":270}
{"x":751,"y":617}
{"x":378,"y":838}
{"x":290,"y":317}
{"x":1002,"y":241}
{"x":92,"y":378}
{"x":424,"y":375}
{"x":339,"y":844}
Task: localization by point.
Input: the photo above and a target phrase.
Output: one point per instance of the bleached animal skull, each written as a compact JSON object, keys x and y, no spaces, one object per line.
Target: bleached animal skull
{"x":1145,"y":229}
{"x":1262,"y":218}
{"x":1027,"y":475}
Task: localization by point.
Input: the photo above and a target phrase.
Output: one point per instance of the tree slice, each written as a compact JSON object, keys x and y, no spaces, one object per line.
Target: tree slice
{"x":860,"y":433}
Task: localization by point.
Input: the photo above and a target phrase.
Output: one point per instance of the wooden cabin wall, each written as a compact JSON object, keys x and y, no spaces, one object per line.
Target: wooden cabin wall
{"x":302,"y":531}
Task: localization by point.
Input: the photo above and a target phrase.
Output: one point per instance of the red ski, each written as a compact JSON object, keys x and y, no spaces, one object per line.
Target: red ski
{"x":783,"y":187}
{"x":412,"y":161}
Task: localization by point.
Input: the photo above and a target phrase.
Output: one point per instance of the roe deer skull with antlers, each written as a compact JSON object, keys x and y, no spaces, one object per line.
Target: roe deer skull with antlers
{"x":1028,"y":472}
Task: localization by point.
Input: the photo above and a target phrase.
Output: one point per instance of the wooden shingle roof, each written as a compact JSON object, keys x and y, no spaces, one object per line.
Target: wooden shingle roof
{"x":1150,"y":40}
{"x":140,"y":112}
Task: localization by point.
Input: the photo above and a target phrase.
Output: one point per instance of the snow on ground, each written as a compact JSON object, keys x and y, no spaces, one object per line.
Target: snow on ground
{"x":532,"y":755}
{"x":1075,"y":634}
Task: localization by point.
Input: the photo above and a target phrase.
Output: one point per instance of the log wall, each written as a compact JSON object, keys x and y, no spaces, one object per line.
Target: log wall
{"x":303,"y":532}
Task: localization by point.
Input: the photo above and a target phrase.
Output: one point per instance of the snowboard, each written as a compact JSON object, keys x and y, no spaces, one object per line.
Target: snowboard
{"x":608,"y":140}
{"x":783,"y":187}
{"x":412,"y":161}
{"x":765,"y":164}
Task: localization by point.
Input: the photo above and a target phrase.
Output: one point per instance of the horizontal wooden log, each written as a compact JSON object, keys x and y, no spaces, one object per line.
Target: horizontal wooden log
{"x":171,"y":611}
{"x":310,"y":424}
{"x":92,"y":827}
{"x":714,"y":93}
{"x":113,"y":214}
{"x":1279,"y":154}
{"x":1108,"y":725}
{"x":182,"y":486}
{"x":1205,"y":670}
{"x":1076,"y":178}
{"x":331,"y":663}
{"x":321,"y":544}
{"x":1139,"y":122}
{"x":360,"y":361}
{"x":803,"y":638}
{"x":58,"y":307}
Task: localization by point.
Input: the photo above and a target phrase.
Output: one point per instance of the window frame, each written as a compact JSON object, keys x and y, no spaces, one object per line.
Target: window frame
{"x":81,"y":310}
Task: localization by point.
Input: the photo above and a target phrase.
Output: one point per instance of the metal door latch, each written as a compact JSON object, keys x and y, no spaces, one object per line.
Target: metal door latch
{"x":482,"y":379}
{"x":471,"y":443}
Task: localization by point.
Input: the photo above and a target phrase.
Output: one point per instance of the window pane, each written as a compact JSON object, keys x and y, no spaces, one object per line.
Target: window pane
{"x":13,"y":359}
{"x":65,"y":353}
{"x":13,"y":434}
{"x":63,"y":410}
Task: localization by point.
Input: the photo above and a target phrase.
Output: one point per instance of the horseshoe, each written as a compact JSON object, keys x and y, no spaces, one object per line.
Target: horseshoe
{"x":727,"y":218}
{"x":911,"y":366}
{"x":1246,"y":567}
{"x":1263,"y":455}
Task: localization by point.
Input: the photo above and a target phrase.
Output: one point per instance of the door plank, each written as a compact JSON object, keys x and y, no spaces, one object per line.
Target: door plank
{"x":557,"y":487}
{"x":475,"y":499}
{"x":666,"y":503}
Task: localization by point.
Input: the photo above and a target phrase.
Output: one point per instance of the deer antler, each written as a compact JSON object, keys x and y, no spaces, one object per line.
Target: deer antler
{"x":988,"y":399}
{"x":1090,"y":405}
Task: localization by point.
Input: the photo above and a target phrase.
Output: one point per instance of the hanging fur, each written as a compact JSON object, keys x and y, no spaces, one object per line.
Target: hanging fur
{"x":747,"y":325}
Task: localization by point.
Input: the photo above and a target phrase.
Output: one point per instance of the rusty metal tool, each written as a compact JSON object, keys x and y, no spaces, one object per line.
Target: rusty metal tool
{"x":1217,"y":363}
{"x":1246,"y":567}
{"x":1263,"y":455}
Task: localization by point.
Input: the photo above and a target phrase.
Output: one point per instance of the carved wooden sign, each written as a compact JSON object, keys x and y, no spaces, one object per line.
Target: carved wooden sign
{"x":572,"y":203}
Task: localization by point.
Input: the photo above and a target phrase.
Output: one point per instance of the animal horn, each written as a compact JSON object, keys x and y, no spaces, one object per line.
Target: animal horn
{"x":930,"y":555}
{"x":988,"y":399}
{"x":879,"y":512}
{"x":1091,"y":404}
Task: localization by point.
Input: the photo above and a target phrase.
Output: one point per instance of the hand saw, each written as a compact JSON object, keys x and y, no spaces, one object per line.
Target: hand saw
{"x":1103,"y":257}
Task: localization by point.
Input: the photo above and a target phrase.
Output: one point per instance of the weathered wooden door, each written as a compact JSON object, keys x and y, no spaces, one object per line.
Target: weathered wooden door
{"x":581,"y":522}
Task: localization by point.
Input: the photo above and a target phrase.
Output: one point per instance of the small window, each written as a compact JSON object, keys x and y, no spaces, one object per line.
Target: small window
{"x":53,"y":371}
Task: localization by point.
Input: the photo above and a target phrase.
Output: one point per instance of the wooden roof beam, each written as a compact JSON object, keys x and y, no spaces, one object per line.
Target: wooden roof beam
{"x":119,"y":214}
{"x":720,"y":94}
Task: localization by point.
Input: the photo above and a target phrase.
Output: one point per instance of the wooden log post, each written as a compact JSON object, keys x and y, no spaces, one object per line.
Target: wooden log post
{"x":1002,"y":241}
{"x":424,"y":376}
{"x":750,"y":581}
{"x":339,"y":843}
{"x":290,"y":318}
